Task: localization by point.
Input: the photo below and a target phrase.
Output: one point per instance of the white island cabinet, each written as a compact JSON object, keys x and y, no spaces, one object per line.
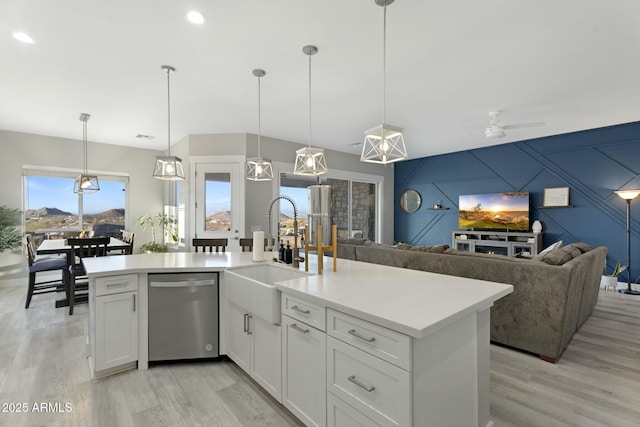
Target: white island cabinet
{"x":113,"y":323}
{"x":403,"y":348}
{"x":368,"y":345}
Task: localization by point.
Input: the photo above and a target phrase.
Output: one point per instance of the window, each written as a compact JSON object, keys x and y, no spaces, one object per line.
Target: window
{"x":53,"y":210}
{"x":354,"y":203}
{"x":218,"y":201}
{"x":294,"y":186}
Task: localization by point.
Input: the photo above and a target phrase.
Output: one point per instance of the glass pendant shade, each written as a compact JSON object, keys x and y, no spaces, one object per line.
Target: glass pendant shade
{"x":85,"y":183}
{"x":168,"y":168}
{"x":383,"y":144}
{"x":310,"y":161}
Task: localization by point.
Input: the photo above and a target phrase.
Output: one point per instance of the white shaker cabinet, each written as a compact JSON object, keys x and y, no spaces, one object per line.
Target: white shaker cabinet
{"x":304,"y":388}
{"x":254,"y":345}
{"x":113,"y":318}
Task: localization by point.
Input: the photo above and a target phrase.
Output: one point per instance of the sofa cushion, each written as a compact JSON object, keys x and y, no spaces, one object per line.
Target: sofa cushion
{"x":559,"y":256}
{"x":350,"y":241}
{"x":437,"y":249}
{"x":405,"y":246}
{"x":451,"y":251}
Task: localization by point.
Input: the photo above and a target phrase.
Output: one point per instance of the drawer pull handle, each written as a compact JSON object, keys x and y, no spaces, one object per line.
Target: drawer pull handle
{"x":368,"y":388}
{"x":357,"y":335}
{"x":299,"y":329}
{"x":116,"y":284}
{"x":299,"y":310}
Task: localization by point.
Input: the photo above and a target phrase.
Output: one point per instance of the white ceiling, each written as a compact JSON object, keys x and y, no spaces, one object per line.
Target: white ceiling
{"x":574,"y":64}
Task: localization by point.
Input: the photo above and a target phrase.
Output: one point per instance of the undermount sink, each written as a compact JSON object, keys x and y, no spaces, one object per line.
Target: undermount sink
{"x":253,"y":288}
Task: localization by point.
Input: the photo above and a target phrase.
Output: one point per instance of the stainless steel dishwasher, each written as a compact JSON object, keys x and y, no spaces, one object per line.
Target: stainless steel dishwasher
{"x":183,"y":316}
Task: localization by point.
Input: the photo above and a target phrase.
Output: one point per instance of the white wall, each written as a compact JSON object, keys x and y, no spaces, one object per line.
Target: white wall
{"x":18,"y":149}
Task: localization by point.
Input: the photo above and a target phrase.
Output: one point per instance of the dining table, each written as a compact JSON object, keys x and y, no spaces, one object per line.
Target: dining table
{"x":61,"y":247}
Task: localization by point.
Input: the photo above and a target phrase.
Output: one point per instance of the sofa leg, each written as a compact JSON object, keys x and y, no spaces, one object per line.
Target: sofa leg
{"x":547,"y":359}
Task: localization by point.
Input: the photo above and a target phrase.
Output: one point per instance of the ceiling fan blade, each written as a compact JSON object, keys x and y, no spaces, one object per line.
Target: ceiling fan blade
{"x":524,"y":125}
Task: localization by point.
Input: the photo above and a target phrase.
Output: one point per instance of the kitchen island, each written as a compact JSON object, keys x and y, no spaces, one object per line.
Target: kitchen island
{"x":422,"y":338}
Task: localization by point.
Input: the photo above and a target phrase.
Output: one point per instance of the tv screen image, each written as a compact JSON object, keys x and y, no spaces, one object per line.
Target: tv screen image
{"x":505,"y":211}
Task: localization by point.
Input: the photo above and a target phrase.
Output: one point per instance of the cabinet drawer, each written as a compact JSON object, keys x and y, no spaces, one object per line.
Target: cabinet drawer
{"x":384,"y":343}
{"x":116,"y":284}
{"x":309,"y":313}
{"x":340,"y":414}
{"x":374,"y":387}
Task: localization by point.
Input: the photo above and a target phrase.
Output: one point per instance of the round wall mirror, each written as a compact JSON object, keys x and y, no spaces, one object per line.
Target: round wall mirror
{"x":410,"y":201}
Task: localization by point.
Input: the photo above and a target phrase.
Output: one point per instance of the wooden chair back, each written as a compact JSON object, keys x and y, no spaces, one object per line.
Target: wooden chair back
{"x":87,"y":247}
{"x":210,"y":243}
{"x":128,"y":237}
{"x":246,"y":243}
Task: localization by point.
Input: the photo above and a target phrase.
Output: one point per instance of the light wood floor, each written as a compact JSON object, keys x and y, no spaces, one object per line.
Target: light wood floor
{"x":43,"y":360}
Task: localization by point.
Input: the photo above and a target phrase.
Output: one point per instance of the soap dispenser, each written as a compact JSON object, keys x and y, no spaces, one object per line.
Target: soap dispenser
{"x":281,"y":252}
{"x":288,"y":254}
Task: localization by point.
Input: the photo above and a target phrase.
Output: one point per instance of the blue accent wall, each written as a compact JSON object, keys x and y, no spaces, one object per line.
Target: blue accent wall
{"x":591,"y":163}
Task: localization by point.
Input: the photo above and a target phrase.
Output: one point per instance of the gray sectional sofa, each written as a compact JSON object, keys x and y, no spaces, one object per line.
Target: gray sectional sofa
{"x":552,"y":295}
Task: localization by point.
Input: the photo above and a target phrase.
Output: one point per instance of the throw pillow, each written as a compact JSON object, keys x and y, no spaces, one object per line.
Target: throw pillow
{"x":556,"y":245}
{"x":559,"y":256}
{"x":584,"y":247}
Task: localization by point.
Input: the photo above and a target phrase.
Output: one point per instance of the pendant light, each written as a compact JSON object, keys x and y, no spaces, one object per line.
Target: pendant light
{"x":310,"y":160}
{"x":85,"y":183}
{"x":168,"y":167}
{"x":257,"y":168}
{"x":383,"y":143}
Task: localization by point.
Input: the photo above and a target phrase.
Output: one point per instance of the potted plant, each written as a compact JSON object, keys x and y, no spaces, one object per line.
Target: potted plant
{"x":10,"y":237}
{"x":165,"y":222}
{"x":611,"y":280}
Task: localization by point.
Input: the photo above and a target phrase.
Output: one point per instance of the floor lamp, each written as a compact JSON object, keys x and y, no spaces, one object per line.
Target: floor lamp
{"x":628,"y":196}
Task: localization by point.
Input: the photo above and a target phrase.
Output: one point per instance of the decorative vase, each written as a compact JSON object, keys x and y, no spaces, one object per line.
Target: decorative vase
{"x":536,"y":227}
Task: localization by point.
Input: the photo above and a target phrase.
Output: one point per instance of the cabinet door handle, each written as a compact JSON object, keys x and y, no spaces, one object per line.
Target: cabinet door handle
{"x":245,"y":322}
{"x":299,"y":310}
{"x":368,"y":388}
{"x":134,"y":302}
{"x":299,"y":329}
{"x":249,"y":324}
{"x":363,"y":338}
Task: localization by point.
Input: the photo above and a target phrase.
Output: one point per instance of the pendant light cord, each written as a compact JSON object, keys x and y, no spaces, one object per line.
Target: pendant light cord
{"x":84,"y":137}
{"x":259,"y":118}
{"x":310,"y":100}
{"x":168,"y":113}
{"x":384,"y":64}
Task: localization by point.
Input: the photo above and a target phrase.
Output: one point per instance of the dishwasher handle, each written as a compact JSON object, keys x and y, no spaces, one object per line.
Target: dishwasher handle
{"x":182,"y":283}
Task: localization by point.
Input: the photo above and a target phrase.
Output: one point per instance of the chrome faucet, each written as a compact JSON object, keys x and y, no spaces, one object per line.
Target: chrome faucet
{"x":296,"y":251}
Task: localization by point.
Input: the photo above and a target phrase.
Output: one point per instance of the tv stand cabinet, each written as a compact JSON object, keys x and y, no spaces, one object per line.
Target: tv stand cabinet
{"x":510,"y":243}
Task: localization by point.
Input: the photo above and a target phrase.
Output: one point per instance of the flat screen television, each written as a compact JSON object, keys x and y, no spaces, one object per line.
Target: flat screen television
{"x":503,"y":211}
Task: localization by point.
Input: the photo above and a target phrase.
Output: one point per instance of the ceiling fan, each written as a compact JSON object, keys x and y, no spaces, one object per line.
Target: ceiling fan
{"x":496,"y":128}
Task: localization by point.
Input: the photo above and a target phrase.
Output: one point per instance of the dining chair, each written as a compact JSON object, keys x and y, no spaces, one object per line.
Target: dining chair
{"x":246,"y":243}
{"x":127,"y":237}
{"x":41,"y":265}
{"x":82,"y":248}
{"x":210,"y":243}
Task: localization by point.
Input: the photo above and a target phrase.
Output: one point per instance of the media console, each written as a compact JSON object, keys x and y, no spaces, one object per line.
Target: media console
{"x":510,"y":243}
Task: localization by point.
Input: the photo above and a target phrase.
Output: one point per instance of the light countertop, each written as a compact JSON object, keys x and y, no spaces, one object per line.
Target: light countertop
{"x":409,"y":301}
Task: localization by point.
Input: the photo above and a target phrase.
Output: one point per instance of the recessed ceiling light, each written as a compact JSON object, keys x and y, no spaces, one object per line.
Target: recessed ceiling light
{"x":23,"y":37}
{"x":195,"y":17}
